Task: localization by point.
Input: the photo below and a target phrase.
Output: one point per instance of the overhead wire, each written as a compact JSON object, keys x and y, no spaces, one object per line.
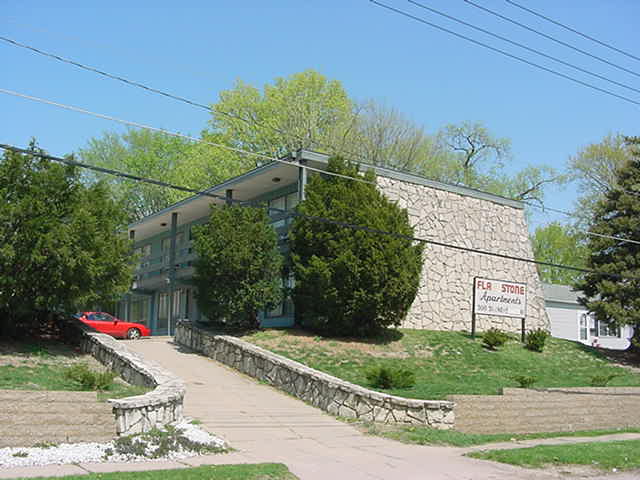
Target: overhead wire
{"x":174,"y":134}
{"x":549,"y":37}
{"x":577,"y":32}
{"x":244,"y":152}
{"x":521,"y":45}
{"x":317,"y":218}
{"x":503,"y":52}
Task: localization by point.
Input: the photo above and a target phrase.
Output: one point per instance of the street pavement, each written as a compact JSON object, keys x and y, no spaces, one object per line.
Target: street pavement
{"x":263,"y":424}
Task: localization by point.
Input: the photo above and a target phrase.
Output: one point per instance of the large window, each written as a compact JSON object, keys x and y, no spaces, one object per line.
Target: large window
{"x":608,"y":330}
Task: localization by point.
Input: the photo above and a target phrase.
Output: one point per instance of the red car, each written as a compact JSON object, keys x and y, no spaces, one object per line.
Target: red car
{"x":106,"y":323}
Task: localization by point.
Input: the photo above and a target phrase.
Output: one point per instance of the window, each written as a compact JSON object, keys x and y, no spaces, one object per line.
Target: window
{"x":279,"y":204}
{"x":607,"y":330}
{"x":292,"y":200}
{"x":584,"y":321}
{"x":143,"y":251}
{"x":166,"y":242}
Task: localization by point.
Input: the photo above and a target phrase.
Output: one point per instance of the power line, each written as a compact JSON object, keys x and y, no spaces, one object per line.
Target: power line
{"x":553,"y":39}
{"x":521,"y":45}
{"x":507,"y":54}
{"x":174,"y":134}
{"x":573,"y":30}
{"x":244,"y":152}
{"x":313,"y":217}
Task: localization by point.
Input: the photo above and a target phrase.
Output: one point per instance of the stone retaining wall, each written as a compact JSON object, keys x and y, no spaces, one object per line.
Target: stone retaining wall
{"x":140,"y":413}
{"x":316,"y":388}
{"x":520,"y":410}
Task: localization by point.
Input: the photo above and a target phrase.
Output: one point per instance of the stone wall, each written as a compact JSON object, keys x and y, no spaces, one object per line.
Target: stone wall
{"x":444,"y":300}
{"x":520,"y":410}
{"x":316,"y":388}
{"x":140,"y":413}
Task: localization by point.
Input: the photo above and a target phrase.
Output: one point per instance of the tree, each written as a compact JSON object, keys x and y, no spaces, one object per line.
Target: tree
{"x":162,"y":157}
{"x":595,"y":169}
{"x":612,"y":291}
{"x":352,"y":282}
{"x":557,"y":243}
{"x":477,"y":162}
{"x":305,"y":110}
{"x":239,"y":267}
{"x":61,"y":246}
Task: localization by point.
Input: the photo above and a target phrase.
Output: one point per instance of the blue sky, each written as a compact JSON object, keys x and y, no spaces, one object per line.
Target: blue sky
{"x":197,"y":49}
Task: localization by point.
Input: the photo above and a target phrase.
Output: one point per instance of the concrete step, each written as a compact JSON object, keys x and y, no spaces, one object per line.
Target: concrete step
{"x":46,"y":396}
{"x":70,"y":408}
{"x":34,"y":439}
{"x":55,"y":418}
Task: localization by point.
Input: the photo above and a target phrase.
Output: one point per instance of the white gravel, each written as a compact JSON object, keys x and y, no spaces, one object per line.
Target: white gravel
{"x":96,"y":452}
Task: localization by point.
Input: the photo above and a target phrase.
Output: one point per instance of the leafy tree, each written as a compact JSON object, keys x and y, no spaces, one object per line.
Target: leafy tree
{"x":161,"y":157}
{"x":239,"y":267}
{"x":613,"y":294}
{"x":595,"y":169}
{"x":305,"y":110}
{"x":60,"y":242}
{"x":557,"y":243}
{"x":352,"y":282}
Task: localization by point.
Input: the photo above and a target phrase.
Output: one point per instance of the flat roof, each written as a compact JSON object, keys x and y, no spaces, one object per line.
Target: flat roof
{"x":276,"y":174}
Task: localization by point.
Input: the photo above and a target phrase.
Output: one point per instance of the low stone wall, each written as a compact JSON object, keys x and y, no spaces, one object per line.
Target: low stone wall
{"x":141,"y":413}
{"x":520,"y":410}
{"x":319,"y":389}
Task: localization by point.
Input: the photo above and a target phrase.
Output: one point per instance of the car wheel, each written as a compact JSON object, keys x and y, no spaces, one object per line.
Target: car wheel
{"x":133,"y":334}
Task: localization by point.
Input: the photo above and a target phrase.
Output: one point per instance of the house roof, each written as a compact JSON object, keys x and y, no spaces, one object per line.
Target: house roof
{"x":274,"y":175}
{"x":560,"y":293}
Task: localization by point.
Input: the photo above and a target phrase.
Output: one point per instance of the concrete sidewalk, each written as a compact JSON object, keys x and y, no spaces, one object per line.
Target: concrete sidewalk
{"x":266,"y":425}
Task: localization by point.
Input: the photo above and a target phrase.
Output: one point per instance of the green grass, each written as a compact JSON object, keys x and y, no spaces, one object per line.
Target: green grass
{"x":622,"y":455}
{"x":446,"y":363}
{"x":429,"y":436}
{"x":260,"y":471}
{"x":43,"y":367}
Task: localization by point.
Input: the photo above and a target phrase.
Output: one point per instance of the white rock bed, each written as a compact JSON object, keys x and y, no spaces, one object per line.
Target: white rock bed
{"x":95,"y":452}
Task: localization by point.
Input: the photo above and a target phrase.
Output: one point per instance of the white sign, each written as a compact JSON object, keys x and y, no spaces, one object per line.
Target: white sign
{"x":496,"y":297}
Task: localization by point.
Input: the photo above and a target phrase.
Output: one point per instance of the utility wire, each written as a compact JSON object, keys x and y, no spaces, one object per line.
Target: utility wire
{"x":521,"y":45}
{"x":174,"y":134}
{"x":505,"y":53}
{"x":316,"y":218}
{"x":584,"y":35}
{"x":549,"y":37}
{"x":245,"y":152}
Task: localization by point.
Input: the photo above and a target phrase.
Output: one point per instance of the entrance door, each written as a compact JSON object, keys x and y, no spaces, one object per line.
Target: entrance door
{"x":163,"y":314}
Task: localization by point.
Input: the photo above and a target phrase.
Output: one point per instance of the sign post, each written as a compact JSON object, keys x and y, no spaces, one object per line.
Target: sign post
{"x":498,"y":298}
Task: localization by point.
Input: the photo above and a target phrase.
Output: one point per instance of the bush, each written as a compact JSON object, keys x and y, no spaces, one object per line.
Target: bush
{"x":386,"y":378}
{"x":535,"y":340}
{"x":90,"y":379}
{"x":494,"y":338}
{"x":525,"y":381}
{"x":352,"y":282}
{"x":602,"y":380}
{"x":239,"y":267}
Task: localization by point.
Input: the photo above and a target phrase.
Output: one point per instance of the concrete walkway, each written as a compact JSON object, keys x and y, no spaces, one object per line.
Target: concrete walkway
{"x":266,"y":425}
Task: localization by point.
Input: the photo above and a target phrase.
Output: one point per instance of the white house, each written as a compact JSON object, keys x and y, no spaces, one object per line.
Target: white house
{"x":572,"y":321}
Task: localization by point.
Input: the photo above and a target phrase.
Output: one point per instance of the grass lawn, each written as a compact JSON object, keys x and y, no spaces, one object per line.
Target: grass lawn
{"x":42,"y":366}
{"x":622,"y":455}
{"x":445,"y":363}
{"x":428,"y":436}
{"x":260,"y":471}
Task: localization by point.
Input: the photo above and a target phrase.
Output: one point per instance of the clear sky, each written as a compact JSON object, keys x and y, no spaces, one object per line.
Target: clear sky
{"x":198,"y":48}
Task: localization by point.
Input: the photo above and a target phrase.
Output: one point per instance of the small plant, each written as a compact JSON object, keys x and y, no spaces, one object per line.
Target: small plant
{"x":494,"y":338}
{"x":21,"y":454}
{"x":157,"y":444}
{"x":386,"y":378}
{"x":525,"y":381}
{"x":535,"y":340}
{"x":602,"y":380}
{"x":45,"y":445}
{"x":90,"y":379}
